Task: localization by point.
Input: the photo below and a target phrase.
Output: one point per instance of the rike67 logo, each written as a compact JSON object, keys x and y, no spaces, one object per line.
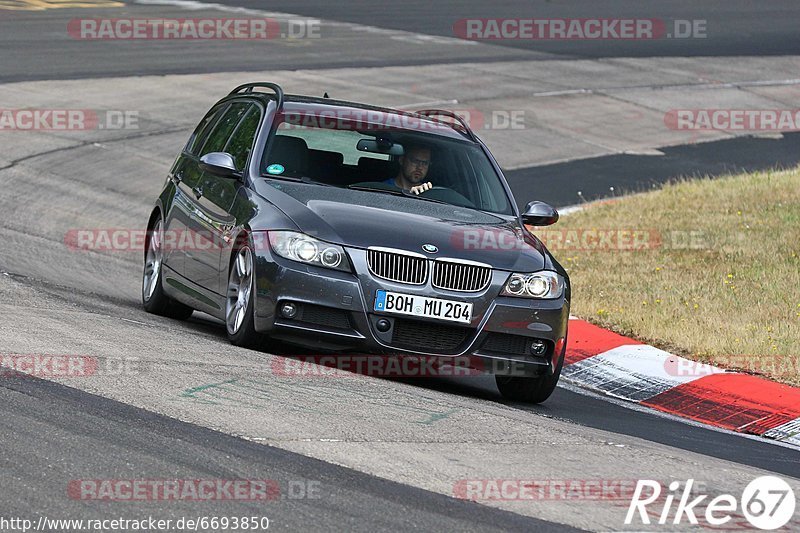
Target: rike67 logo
{"x":767,"y":502}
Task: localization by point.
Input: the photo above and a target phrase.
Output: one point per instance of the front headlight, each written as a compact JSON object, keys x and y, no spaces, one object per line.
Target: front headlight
{"x":306,"y":249}
{"x":543,"y":285}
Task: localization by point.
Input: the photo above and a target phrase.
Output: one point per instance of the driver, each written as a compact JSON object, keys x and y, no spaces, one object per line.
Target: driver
{"x":414,"y":165}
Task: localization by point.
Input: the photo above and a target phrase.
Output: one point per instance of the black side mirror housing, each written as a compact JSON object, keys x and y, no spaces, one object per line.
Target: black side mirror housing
{"x":539,"y":214}
{"x":220,"y":164}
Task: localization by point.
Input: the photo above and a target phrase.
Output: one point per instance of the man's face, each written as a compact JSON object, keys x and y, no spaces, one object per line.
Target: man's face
{"x":415,"y":165}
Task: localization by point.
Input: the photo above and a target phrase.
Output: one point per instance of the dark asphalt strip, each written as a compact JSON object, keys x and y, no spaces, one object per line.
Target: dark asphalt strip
{"x":597,"y":412}
{"x":726,"y":27}
{"x":181,"y":64}
{"x":52,"y":434}
{"x":560,"y":183}
{"x":44,"y":50}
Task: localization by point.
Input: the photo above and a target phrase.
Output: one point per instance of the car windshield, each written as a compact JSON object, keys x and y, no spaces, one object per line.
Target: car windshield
{"x":362,"y":156}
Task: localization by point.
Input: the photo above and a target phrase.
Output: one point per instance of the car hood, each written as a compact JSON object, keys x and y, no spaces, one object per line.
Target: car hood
{"x":362,"y":219}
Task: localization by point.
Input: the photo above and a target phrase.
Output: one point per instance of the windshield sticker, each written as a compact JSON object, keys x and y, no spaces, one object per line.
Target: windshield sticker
{"x":275,"y":169}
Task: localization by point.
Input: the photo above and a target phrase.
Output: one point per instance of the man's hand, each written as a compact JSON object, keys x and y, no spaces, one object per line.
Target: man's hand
{"x":416,"y":189}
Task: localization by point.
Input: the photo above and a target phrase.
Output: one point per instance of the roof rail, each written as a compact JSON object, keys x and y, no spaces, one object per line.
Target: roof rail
{"x":248,"y":88}
{"x":430,"y":113}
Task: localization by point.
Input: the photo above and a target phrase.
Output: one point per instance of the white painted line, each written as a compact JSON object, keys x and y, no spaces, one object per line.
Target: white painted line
{"x":788,"y":432}
{"x":711,"y":86}
{"x":564,"y":92}
{"x":634,"y":372}
{"x":133,"y":321}
{"x":774,"y":135}
{"x":570,"y":209}
{"x":420,"y":105}
{"x":644,"y":151}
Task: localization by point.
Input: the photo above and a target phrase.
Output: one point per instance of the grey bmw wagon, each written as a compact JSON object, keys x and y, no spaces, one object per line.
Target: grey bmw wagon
{"x":344,"y":227}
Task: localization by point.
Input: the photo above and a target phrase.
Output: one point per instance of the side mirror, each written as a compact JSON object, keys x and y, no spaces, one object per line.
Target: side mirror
{"x":220,"y":164}
{"x":539,"y":214}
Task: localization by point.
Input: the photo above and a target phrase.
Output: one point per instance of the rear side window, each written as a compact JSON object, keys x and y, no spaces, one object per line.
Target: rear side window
{"x":201,"y":131}
{"x":223,"y":128}
{"x":241,"y":142}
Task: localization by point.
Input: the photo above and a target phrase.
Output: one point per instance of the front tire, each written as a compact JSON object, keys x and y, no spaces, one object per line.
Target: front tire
{"x":153,"y":298}
{"x":240,"y":303}
{"x":529,"y":389}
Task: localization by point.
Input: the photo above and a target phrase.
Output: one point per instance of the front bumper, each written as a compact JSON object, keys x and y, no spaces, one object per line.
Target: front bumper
{"x":336,"y":314}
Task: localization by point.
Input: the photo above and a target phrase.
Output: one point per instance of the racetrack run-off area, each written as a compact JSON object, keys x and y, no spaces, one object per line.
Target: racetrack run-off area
{"x":624,"y":368}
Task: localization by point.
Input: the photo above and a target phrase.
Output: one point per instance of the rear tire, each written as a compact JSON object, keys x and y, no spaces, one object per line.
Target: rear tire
{"x":240,"y":303}
{"x":153,"y":298}
{"x":529,"y":389}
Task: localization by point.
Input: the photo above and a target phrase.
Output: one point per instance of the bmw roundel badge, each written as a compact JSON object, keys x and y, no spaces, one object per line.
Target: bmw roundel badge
{"x":431,"y":249}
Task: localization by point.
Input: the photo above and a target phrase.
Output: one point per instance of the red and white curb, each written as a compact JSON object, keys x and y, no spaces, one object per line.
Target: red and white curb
{"x":622,"y":367}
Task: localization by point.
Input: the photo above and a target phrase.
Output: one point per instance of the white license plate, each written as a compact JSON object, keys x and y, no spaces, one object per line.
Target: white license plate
{"x":410,"y":304}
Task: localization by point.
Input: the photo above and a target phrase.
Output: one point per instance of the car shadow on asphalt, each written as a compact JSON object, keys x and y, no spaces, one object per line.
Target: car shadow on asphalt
{"x":479,"y":387}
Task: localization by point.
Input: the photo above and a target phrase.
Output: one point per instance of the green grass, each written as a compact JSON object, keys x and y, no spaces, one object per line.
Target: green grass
{"x":722,"y":285}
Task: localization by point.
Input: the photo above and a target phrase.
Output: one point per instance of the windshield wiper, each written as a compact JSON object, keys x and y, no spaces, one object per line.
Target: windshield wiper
{"x":306,"y":179}
{"x":397,"y":192}
{"x":419,"y":197}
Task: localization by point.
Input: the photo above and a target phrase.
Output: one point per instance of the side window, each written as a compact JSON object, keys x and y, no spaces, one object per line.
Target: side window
{"x":202,"y":129}
{"x":223,"y":128}
{"x":241,"y":142}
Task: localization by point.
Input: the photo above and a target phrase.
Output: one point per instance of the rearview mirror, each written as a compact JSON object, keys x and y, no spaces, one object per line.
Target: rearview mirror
{"x":539,"y":214}
{"x":220,"y":164}
{"x":379,"y":146}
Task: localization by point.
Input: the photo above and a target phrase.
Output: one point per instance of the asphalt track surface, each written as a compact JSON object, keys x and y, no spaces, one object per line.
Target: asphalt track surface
{"x":67,"y":425}
{"x":573,"y":182}
{"x":386,"y":452}
{"x":734,"y":27}
{"x":37,"y":48}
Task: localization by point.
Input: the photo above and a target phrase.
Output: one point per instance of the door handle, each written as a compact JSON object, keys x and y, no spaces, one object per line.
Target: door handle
{"x":198,"y":192}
